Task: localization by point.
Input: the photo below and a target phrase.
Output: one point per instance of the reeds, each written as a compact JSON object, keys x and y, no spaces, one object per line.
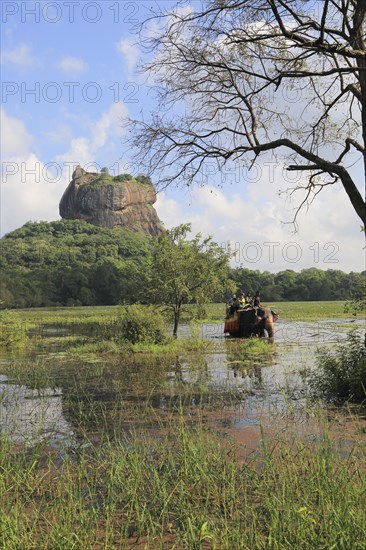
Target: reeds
{"x":183,"y":488}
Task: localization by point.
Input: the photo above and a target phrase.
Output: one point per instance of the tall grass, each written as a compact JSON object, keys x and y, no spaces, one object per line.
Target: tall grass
{"x":341,"y":372}
{"x":183,"y":489}
{"x":12,"y":331}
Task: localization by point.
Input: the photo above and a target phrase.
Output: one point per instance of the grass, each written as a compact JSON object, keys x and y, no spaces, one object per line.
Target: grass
{"x":311,"y":311}
{"x":183,"y":488}
{"x":79,"y":316}
{"x":242,"y":353}
{"x":340,"y":376}
{"x":88,"y":329}
{"x":176,"y":484}
{"x":172,"y":347}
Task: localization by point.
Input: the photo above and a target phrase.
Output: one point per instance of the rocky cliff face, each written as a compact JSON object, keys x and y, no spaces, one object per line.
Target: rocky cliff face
{"x":109,"y":201}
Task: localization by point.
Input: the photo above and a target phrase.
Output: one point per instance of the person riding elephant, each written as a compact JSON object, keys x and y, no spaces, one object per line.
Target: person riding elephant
{"x":232,"y":305}
{"x":257,"y":299}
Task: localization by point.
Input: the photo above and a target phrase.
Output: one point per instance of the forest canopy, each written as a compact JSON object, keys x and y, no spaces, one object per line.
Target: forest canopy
{"x":71,"y":262}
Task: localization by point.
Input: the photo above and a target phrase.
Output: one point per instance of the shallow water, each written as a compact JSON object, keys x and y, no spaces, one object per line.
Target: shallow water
{"x":230,"y":393}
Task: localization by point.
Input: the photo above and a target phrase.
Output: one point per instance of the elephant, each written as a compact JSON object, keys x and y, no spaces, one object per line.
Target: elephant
{"x":252,"y":322}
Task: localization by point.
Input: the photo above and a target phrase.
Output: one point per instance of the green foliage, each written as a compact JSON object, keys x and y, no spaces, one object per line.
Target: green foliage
{"x":70,"y":262}
{"x":12,"y":330}
{"x":143,"y":179}
{"x":307,"y":285}
{"x":141,"y":324}
{"x":358,"y":303}
{"x":123,"y":177}
{"x":185,"y":488}
{"x":102,"y":179}
{"x":180,"y":271}
{"x":341,"y":374}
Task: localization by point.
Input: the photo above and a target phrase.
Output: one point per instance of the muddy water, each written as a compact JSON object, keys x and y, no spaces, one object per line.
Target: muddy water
{"x":230,"y":392}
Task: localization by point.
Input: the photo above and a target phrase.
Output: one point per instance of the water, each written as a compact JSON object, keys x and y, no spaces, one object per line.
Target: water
{"x":229,"y":392}
{"x":29,"y":415}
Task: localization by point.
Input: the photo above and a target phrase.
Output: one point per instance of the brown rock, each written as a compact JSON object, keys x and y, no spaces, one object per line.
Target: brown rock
{"x":107,"y":201}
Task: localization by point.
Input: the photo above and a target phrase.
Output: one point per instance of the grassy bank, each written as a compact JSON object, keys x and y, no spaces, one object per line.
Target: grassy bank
{"x":183,"y":489}
{"x":95,"y":329}
{"x":78,"y":316}
{"x":85,"y":316}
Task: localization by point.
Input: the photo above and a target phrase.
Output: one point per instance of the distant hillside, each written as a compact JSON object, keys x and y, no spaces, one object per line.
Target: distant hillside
{"x":70,"y":262}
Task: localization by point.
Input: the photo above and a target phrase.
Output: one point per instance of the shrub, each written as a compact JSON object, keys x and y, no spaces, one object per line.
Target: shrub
{"x":341,"y":374}
{"x":123,"y":177}
{"x":142,"y":324}
{"x":143,"y":179}
{"x":12,"y":330}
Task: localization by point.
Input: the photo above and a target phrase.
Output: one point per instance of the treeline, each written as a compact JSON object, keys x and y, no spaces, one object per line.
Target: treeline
{"x":71,"y":262}
{"x":306,"y":285}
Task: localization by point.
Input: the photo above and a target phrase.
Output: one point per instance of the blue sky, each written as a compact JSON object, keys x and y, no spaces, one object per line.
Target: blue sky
{"x":69,"y":76}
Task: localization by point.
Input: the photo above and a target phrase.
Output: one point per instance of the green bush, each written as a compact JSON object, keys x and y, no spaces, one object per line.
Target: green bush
{"x":341,"y":374}
{"x":143,"y":179}
{"x":142,"y":324}
{"x":12,"y":330}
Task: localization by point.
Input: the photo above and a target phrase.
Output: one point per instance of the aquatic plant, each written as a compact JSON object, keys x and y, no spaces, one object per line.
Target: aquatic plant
{"x":341,"y":373}
{"x":141,"y":324}
{"x":12,"y":330}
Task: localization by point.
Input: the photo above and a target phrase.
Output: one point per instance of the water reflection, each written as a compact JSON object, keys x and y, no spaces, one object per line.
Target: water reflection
{"x":230,"y":386}
{"x":30,"y":414}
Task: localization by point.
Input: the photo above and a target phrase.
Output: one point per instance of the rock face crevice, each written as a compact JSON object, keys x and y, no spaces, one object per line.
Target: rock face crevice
{"x":109,"y":201}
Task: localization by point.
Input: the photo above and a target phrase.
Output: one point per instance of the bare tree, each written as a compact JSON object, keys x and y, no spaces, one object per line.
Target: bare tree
{"x":240,"y":78}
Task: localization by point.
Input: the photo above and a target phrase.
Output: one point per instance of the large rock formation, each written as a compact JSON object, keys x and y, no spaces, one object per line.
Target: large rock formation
{"x":110,"y":201}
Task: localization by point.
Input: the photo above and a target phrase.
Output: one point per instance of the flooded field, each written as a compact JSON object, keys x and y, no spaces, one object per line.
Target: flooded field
{"x":61,"y":399}
{"x":216,"y":446}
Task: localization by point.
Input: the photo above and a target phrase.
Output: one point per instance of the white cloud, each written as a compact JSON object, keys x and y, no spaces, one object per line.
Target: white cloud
{"x":109,"y":125}
{"x":59,"y":133}
{"x":21,"y":55}
{"x":328,"y":236}
{"x":72,"y":65}
{"x":15,"y":139}
{"x":84,"y":150}
{"x":79,"y":152}
{"x":28,"y":192}
{"x":128,"y":48}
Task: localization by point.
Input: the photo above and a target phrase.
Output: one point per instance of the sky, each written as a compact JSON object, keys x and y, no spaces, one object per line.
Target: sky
{"x":69,"y":72}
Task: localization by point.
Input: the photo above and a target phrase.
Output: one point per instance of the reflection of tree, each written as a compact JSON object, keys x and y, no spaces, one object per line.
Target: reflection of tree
{"x":247,"y":363}
{"x":178,"y":370}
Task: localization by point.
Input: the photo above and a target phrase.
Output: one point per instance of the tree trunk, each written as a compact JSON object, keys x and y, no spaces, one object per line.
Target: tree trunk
{"x":176,"y":321}
{"x":358,"y":43}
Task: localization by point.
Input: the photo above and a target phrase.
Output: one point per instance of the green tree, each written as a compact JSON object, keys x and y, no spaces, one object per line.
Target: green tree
{"x":180,"y":271}
{"x":234,"y":74}
{"x":358,"y":303}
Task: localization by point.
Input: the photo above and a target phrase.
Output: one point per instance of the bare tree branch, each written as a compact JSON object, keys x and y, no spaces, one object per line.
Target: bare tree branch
{"x":228,"y":70}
